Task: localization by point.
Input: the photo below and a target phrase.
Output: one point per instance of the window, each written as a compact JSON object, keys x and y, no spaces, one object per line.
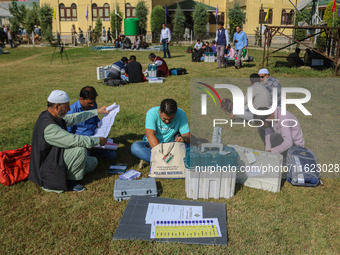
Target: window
{"x":287,"y":18}
{"x":263,"y":15}
{"x":130,"y":12}
{"x":212,"y":19}
{"x":68,"y":13}
{"x":101,"y":12}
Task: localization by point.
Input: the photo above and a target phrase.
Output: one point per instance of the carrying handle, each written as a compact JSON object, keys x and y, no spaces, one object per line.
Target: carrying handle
{"x":161,"y":149}
{"x":211,"y":145}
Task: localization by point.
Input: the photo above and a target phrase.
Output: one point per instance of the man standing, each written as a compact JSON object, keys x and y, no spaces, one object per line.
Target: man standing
{"x":104,"y":34}
{"x":59,"y":159}
{"x":165,"y":40}
{"x":134,"y":70}
{"x":10,"y":37}
{"x":222,"y":41}
{"x":162,"y":67}
{"x":86,"y":102}
{"x":162,"y":124}
{"x":241,"y":42}
{"x":109,"y":38}
{"x":269,"y":83}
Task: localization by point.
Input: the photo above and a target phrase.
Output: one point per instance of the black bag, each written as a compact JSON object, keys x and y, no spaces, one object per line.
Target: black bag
{"x":114,"y":82}
{"x":196,"y":57}
{"x":178,"y":71}
{"x":189,"y":50}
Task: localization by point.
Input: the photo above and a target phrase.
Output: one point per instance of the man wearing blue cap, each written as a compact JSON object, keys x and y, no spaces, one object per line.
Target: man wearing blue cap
{"x":58,"y":158}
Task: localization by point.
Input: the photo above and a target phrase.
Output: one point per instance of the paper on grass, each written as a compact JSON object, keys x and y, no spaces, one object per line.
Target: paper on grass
{"x":107,"y":121}
{"x":174,"y":212}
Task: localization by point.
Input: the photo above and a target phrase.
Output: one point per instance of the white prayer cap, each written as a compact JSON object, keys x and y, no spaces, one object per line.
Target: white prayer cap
{"x":264,"y":71}
{"x":35,"y":26}
{"x":58,"y":97}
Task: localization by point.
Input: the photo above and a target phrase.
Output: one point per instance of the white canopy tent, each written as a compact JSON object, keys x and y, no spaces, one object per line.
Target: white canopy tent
{"x":303,"y":3}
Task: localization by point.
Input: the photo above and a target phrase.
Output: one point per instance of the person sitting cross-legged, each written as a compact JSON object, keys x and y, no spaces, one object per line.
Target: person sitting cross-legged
{"x":86,"y":102}
{"x":58,"y":158}
{"x":162,"y":67}
{"x":162,"y":125}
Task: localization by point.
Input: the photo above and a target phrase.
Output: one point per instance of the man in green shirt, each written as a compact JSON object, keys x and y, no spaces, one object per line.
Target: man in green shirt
{"x":58,"y":158}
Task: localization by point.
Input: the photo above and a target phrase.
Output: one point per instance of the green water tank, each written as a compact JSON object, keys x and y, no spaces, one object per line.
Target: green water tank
{"x":131,"y":26}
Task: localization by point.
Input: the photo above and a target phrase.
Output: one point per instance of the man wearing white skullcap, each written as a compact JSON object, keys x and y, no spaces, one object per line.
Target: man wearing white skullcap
{"x":59,"y":159}
{"x":269,"y":83}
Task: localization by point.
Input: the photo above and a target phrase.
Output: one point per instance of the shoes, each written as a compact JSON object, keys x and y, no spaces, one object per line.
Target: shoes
{"x":142,"y":164}
{"x":75,"y":186}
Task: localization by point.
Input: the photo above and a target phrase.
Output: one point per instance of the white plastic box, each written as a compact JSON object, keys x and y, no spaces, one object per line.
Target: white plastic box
{"x":209,"y":185}
{"x":102,"y":72}
{"x":269,"y":179}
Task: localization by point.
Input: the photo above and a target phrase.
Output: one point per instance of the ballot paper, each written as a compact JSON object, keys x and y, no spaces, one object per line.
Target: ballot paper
{"x":110,"y":145}
{"x":204,"y":228}
{"x":107,"y":121}
{"x":174,"y":212}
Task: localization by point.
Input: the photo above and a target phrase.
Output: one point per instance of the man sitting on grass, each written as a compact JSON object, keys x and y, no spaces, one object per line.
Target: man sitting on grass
{"x":162,"y":124}
{"x":118,"y":69}
{"x":276,"y":137}
{"x":269,"y":83}
{"x":58,"y":158}
{"x":134,"y":70}
{"x":86,"y":102}
{"x":162,"y":67}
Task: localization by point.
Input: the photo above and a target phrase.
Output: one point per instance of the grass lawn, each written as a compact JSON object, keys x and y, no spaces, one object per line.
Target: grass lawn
{"x":293,"y":221}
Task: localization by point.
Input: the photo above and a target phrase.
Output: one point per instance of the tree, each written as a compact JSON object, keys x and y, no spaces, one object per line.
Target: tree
{"x":98,"y":29}
{"x":236,"y":18}
{"x":332,"y":20}
{"x":32,"y":18}
{"x":46,"y":18}
{"x":157,"y":19}
{"x":179,"y":23}
{"x":303,"y":16}
{"x":19,"y":15}
{"x":200,"y":17}
{"x":142,"y":14}
{"x":119,"y":19}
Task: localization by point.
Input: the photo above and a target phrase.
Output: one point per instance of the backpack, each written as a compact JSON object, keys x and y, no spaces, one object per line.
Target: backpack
{"x":114,"y":82}
{"x":14,"y":165}
{"x":302,"y":167}
{"x":178,"y":71}
{"x":189,"y":50}
{"x":196,"y":57}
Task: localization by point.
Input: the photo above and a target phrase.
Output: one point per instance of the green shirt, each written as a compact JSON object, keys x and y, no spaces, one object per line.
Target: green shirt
{"x":56,"y":136}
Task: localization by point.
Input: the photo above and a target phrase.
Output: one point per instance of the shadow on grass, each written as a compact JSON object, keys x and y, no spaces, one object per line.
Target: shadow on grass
{"x":123,"y":156}
{"x":178,"y":56}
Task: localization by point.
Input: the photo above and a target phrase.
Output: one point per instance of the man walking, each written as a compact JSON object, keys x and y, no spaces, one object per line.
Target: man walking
{"x":241,"y":42}
{"x":165,"y":40}
{"x":222,"y":41}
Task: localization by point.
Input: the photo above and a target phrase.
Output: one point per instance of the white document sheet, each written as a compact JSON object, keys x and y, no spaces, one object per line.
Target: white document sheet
{"x":107,"y":121}
{"x":173,"y":212}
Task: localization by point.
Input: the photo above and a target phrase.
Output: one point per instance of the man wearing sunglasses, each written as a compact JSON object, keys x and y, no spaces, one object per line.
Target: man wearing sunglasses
{"x":269,"y":83}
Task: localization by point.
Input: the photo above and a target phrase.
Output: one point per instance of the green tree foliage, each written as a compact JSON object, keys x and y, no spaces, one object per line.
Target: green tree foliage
{"x":119,"y":19}
{"x":98,"y":29}
{"x":46,"y":18}
{"x":328,"y":18}
{"x":32,"y":18}
{"x":19,"y":15}
{"x":179,"y":23}
{"x":303,"y":16}
{"x":236,"y":18}
{"x":200,"y":18}
{"x":142,"y":14}
{"x":157,"y":19}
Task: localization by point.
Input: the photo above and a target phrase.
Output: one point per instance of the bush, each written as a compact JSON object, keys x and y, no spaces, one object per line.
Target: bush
{"x":19,"y":15}
{"x":157,"y":19}
{"x":119,"y":22}
{"x":200,"y":18}
{"x":179,"y":23}
{"x":303,"y":16}
{"x":46,"y":18}
{"x":142,"y":14}
{"x":98,"y":30}
{"x":236,"y":18}
{"x":32,"y":18}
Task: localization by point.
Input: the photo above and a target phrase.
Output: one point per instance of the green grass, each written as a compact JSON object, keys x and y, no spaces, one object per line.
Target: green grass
{"x":295,"y":220}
